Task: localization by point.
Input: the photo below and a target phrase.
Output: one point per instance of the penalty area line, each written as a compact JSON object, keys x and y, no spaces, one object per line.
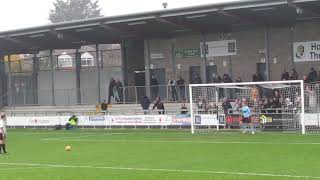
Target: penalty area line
{"x":163,"y":170}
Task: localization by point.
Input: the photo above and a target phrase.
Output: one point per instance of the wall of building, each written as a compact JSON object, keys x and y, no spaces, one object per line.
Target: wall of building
{"x":251,"y":44}
{"x":308,"y":31}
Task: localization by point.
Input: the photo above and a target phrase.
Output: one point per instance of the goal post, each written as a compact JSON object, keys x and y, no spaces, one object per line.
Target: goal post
{"x":275,"y":106}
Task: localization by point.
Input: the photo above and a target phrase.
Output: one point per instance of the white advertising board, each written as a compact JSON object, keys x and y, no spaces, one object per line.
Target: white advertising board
{"x":143,"y":120}
{"x":206,"y":119}
{"x":99,"y":120}
{"x":220,"y":48}
{"x":306,"y":51}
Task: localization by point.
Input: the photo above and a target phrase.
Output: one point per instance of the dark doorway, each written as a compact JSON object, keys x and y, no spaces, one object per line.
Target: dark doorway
{"x":194,"y":72}
{"x":211,"y":70}
{"x":262,"y":70}
{"x":161,"y":90}
{"x":139,"y":83}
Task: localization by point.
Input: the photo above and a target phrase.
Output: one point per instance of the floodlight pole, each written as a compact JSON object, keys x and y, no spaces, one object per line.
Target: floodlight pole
{"x":267,"y":47}
{"x":35,"y":71}
{"x":292,"y":63}
{"x":204,"y":54}
{"x":52,"y":77}
{"x":9,"y":81}
{"x":98,"y":73}
{"x":78,"y":66}
{"x":147,"y":58}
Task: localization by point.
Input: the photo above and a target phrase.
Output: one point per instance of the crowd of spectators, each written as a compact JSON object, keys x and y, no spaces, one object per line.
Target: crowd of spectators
{"x":258,"y":99}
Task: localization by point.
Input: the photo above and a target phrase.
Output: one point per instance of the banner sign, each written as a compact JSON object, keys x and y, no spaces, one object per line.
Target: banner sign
{"x":219,"y":48}
{"x":206,"y":119}
{"x":157,"y":56}
{"x":182,"y":119}
{"x":306,"y":51}
{"x":188,"y":53}
{"x":157,"y":120}
{"x":139,"y":120}
{"x":37,"y":121}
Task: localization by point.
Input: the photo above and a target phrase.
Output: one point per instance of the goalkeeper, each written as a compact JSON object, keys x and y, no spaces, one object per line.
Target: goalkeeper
{"x":246,"y":124}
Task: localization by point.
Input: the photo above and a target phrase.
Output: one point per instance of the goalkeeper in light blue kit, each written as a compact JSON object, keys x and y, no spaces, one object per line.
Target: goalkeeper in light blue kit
{"x":246,"y":124}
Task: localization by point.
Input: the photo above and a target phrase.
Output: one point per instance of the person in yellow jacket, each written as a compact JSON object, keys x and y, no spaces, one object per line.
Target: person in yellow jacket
{"x":72,"y":123}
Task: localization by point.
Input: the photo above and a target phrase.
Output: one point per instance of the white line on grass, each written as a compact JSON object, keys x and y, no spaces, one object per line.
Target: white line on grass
{"x":163,"y":170}
{"x":103,"y":133}
{"x":162,"y":141}
{"x":22,"y":168}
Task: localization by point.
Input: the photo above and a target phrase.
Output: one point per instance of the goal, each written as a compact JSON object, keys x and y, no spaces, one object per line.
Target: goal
{"x":275,"y":106}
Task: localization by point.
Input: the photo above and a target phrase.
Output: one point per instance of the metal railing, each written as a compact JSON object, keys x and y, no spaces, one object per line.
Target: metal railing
{"x":67,"y":97}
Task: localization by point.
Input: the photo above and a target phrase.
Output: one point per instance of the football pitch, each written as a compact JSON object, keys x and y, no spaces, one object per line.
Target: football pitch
{"x":159,"y":155}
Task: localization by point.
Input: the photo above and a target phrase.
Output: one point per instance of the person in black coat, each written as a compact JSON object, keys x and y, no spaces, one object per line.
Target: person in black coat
{"x":112,"y":85}
{"x":145,"y":104}
{"x":119,"y":87}
{"x":181,"y":86}
{"x":313,"y":76}
{"x":159,"y":105}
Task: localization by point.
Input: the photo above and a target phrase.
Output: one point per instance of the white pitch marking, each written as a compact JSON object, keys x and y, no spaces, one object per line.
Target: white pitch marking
{"x":161,"y":141}
{"x":22,"y":168}
{"x":164,"y":170}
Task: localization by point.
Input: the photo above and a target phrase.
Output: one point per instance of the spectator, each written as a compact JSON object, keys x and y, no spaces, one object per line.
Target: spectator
{"x":112,"y":85}
{"x":254,"y":78}
{"x":285,"y":76}
{"x":183,"y":109}
{"x":238,"y":80}
{"x":311,"y":97}
{"x":159,"y":105}
{"x":313,"y":76}
{"x":154,"y":87}
{"x":255,"y":93}
{"x":145,"y":104}
{"x":217,"y":79}
{"x":119,"y":87}
{"x":259,"y":77}
{"x":172,"y":84}
{"x":288,"y":103}
{"x":265,"y":104}
{"x":104,"y":106}
{"x":237,"y":105}
{"x":276,"y":100}
{"x":227,"y":78}
{"x":294,"y":75}
{"x":226,"y":106}
{"x":305,"y":79}
{"x":116,"y":93}
{"x":181,"y":85}
{"x":197,"y":80}
{"x":201,"y":103}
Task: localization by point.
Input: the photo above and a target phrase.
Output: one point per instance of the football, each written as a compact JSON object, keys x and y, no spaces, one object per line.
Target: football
{"x":68,"y":148}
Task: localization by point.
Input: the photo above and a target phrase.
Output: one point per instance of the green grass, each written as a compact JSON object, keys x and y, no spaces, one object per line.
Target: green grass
{"x":159,"y":155}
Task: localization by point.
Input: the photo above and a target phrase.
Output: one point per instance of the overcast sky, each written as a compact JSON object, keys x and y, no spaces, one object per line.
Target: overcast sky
{"x":17,"y":14}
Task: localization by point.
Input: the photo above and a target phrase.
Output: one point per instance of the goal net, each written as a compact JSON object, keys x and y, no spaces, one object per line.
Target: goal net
{"x":274,"y":105}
